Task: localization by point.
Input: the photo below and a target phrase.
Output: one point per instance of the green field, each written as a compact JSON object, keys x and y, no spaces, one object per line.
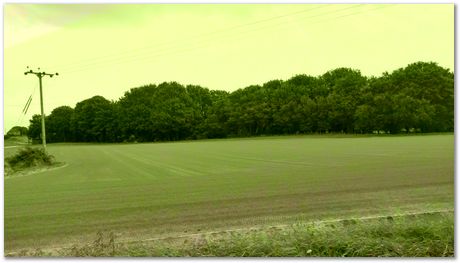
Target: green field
{"x":142,"y":191}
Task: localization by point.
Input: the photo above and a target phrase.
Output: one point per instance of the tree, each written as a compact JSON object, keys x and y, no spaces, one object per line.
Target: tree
{"x":93,"y":120}
{"x":345,"y":87}
{"x":134,"y":113}
{"x":172,"y":113}
{"x":216,"y":122}
{"x":59,"y":125}
{"x":364,"y":119}
{"x":35,"y":127}
{"x":17,"y":131}
{"x":201,"y":101}
{"x":420,"y":88}
{"x":417,"y":98}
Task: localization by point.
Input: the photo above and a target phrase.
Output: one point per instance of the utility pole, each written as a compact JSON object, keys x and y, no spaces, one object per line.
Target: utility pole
{"x":40,"y":76}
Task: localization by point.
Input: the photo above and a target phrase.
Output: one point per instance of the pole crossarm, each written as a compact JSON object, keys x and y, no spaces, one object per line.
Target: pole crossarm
{"x":40,"y":76}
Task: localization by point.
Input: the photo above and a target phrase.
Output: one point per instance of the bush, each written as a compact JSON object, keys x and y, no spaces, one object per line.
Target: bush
{"x":30,"y":157}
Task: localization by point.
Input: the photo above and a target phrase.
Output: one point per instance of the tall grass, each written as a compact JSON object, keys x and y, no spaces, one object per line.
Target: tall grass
{"x":429,"y":235}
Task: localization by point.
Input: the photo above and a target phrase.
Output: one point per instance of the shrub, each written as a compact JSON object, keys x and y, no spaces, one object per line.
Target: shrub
{"x":30,"y":157}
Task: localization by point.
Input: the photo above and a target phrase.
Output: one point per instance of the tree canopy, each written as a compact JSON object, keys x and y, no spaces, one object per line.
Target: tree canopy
{"x":416,"y":98}
{"x":17,"y":131}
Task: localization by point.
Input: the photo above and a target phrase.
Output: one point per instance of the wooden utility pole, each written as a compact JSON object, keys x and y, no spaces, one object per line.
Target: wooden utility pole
{"x":40,"y":76}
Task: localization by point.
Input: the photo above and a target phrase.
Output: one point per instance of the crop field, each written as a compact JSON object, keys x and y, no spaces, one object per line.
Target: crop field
{"x":144,"y":191}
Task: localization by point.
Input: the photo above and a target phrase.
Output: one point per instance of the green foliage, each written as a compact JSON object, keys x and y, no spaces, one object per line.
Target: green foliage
{"x":16,"y":131}
{"x":421,"y":236}
{"x":94,"y":120}
{"x":417,"y":98}
{"x":29,"y":157}
{"x":59,"y":125}
{"x":35,"y":128}
{"x":426,"y":235}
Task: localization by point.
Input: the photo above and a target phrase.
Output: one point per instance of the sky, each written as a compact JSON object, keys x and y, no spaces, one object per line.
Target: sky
{"x":107,"y":49}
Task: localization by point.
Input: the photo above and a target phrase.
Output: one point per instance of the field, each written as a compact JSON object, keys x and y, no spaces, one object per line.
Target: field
{"x":144,"y":191}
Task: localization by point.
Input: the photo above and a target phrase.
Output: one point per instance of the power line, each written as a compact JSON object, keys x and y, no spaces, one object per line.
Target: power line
{"x":181,"y":42}
{"x":354,"y":13}
{"x":174,"y":49}
{"x":64,"y":66}
{"x":26,"y":107}
{"x":23,"y":114}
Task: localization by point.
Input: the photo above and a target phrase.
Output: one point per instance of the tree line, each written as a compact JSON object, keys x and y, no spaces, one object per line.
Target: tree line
{"x":417,"y":98}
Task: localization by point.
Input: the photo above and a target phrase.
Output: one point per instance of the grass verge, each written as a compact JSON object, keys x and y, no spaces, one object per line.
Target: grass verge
{"x":426,"y":235}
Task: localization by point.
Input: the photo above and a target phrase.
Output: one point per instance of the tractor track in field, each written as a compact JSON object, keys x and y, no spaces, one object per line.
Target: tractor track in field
{"x":54,"y":250}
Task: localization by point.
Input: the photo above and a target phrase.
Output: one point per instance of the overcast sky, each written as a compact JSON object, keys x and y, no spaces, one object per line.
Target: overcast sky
{"x":108,"y":49}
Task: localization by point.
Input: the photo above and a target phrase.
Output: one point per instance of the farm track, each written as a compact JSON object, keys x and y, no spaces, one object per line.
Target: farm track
{"x":55,"y":250}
